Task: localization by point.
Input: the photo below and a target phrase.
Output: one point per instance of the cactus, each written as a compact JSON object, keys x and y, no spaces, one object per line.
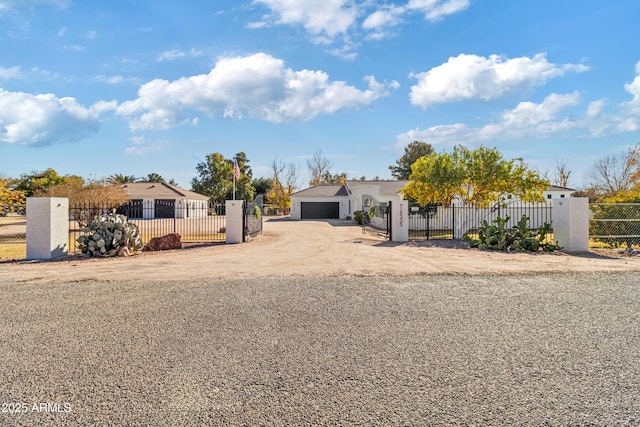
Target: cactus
{"x":110,"y":235}
{"x":497,"y":236}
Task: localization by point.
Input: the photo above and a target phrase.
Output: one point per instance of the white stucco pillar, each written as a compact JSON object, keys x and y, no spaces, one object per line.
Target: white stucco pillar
{"x":234,"y":217}
{"x":399,"y":221}
{"x":571,"y":223}
{"x":47,"y":227}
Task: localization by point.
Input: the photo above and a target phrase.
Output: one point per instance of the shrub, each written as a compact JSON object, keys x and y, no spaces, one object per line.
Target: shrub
{"x":496,"y":236}
{"x":110,"y":235}
{"x":361,"y":217}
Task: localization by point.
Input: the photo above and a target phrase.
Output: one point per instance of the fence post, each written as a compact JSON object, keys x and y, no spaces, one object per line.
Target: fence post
{"x":47,"y":227}
{"x":571,"y":223}
{"x":234,"y":214}
{"x":400,"y":221}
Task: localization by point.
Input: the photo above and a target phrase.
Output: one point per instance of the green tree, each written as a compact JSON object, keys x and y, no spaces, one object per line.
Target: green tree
{"x":8,"y":196}
{"x":480,"y":177}
{"x":118,"y":178}
{"x":412,"y":152}
{"x":40,"y":181}
{"x":262,"y":185}
{"x":216,"y":174}
{"x":154,"y":177}
{"x":283,"y":185}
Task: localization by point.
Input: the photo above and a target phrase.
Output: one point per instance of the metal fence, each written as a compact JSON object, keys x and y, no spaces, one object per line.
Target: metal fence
{"x":253,"y":213}
{"x":204,"y":222}
{"x":13,"y":231}
{"x":615,"y":224}
{"x":439,"y":222}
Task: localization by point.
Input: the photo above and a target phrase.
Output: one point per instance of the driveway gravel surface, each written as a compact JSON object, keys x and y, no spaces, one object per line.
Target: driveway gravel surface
{"x":85,"y":343}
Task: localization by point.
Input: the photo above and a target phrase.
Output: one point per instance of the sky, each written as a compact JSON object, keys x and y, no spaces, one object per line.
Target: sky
{"x":95,"y":88}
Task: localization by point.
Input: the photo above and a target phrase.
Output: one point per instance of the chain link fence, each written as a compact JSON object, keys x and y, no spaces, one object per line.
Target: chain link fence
{"x":615,"y":224}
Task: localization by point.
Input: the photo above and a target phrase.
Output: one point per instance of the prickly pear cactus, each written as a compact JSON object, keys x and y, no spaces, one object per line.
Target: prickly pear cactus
{"x":110,"y":235}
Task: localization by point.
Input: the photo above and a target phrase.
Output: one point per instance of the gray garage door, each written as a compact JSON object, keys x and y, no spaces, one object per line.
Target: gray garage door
{"x":320,"y":210}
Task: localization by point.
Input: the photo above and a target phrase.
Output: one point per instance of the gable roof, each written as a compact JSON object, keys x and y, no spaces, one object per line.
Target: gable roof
{"x":323,"y":191}
{"x":558,"y":188}
{"x":159,"y":190}
{"x":387,"y":188}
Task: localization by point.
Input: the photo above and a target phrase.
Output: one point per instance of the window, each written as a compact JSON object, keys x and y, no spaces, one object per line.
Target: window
{"x":562,"y":196}
{"x":548,"y":196}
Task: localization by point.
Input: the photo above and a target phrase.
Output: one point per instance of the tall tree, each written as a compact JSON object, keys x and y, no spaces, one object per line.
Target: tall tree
{"x":615,"y":173}
{"x":480,"y":177}
{"x":216,"y":175}
{"x":561,"y":173}
{"x":118,"y":178}
{"x":319,"y":168}
{"x":284,"y":182}
{"x":412,"y":152}
{"x":262,"y":185}
{"x":154,"y":177}
{"x":40,"y":181}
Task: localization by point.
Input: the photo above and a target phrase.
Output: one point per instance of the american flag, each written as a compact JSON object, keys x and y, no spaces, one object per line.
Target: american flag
{"x":236,"y":168}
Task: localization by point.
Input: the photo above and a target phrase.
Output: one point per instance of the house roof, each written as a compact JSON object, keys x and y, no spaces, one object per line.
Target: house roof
{"x":558,"y":188}
{"x":159,"y":190}
{"x":387,"y":188}
{"x":323,"y":191}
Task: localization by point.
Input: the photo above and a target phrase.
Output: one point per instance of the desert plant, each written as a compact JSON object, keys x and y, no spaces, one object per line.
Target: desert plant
{"x":497,"y":236}
{"x":110,"y":235}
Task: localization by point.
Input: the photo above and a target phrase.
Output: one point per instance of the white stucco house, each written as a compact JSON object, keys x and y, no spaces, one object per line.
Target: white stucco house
{"x":148,"y":200}
{"x":341,"y":201}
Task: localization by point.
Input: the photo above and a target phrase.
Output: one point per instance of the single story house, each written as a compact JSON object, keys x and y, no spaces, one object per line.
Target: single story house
{"x":148,"y":200}
{"x":341,"y":201}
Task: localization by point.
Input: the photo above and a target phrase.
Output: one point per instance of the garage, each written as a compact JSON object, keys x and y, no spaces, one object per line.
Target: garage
{"x":320,"y":210}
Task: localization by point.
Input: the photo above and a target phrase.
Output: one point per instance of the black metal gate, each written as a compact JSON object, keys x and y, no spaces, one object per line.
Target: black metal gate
{"x":431,"y":222}
{"x":252,"y":218}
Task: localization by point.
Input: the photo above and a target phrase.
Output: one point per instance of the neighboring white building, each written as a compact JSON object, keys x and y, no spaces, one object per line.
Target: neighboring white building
{"x":148,"y":200}
{"x":555,"y":192}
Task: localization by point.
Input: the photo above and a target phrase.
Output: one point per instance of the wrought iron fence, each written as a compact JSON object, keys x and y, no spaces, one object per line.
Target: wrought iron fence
{"x":253,"y":213}
{"x":375,"y":220}
{"x":195,"y":221}
{"x":440,"y":222}
{"x":13,"y":231}
{"x":615,"y":224}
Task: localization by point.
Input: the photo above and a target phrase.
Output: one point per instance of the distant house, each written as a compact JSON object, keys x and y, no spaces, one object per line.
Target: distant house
{"x":148,"y":200}
{"x":341,"y":201}
{"x":555,"y":192}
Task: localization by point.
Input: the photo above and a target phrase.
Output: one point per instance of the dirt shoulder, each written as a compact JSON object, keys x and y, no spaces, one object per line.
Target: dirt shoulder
{"x":312,"y":248}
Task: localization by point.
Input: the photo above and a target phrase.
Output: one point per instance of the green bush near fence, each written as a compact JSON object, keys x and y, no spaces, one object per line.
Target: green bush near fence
{"x":497,"y":236}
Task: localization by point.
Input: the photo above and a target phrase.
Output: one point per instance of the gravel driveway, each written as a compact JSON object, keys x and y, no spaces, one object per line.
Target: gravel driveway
{"x":537,"y":349}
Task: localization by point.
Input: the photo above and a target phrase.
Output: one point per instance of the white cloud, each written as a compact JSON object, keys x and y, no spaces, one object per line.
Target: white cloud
{"x":11,"y":73}
{"x":634,"y":89}
{"x":436,"y":10}
{"x":329,"y":21}
{"x":477,"y":77}
{"x":257,"y":86}
{"x":141,"y":147}
{"x":15,"y":4}
{"x":115,"y":80}
{"x":172,"y":55}
{"x":43,"y":119}
{"x":318,"y":17}
{"x":527,"y":119}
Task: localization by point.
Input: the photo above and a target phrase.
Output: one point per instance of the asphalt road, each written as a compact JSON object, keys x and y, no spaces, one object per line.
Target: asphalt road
{"x":549,"y":349}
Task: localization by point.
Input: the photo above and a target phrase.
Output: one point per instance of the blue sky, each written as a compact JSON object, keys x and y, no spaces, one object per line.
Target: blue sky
{"x":95,"y":88}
